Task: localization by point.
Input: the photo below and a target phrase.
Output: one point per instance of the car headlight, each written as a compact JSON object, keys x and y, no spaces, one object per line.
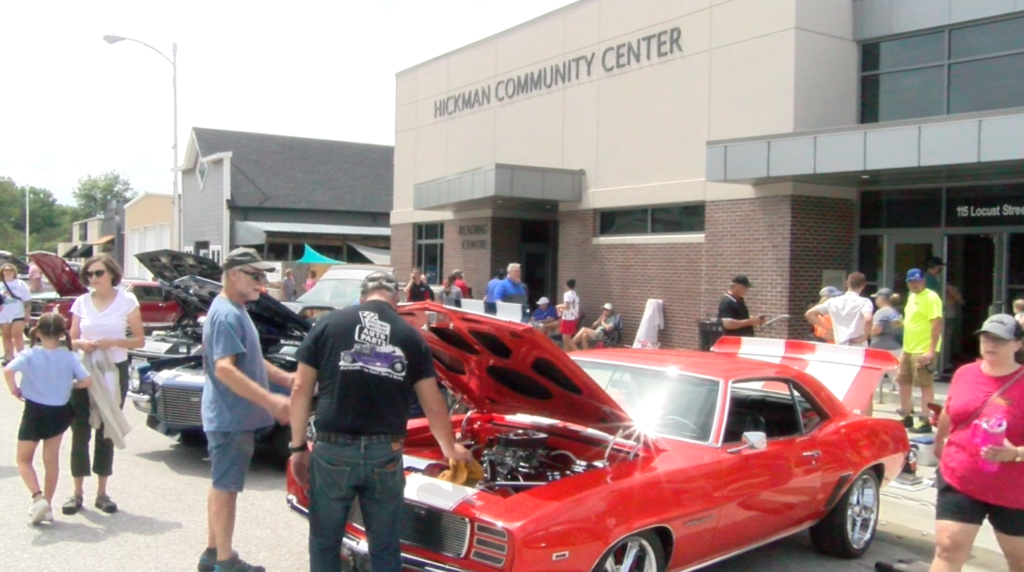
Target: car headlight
{"x":133,"y":379}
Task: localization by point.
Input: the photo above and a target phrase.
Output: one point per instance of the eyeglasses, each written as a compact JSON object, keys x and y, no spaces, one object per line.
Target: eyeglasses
{"x":257,"y":276}
{"x":94,"y":273}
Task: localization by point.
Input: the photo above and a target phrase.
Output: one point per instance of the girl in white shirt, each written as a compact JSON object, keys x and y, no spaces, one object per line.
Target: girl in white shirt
{"x":15,"y":296}
{"x":99,"y":322}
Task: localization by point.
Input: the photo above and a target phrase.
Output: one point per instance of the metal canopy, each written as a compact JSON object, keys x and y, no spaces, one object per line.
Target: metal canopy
{"x":935,"y":151}
{"x":501,"y":186}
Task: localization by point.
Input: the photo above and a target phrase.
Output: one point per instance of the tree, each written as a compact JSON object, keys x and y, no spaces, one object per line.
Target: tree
{"x":95,"y":191}
{"x":50,"y":221}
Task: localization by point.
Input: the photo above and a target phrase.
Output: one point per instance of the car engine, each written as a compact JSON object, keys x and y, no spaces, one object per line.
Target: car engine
{"x":521,"y":459}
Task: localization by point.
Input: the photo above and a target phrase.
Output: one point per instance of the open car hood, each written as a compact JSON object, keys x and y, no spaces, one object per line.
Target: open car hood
{"x":510,"y":368}
{"x":272,"y":318}
{"x":171,"y":265}
{"x":850,"y":373}
{"x":63,"y":278}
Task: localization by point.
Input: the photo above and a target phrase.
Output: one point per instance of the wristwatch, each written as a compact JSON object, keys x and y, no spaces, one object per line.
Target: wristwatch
{"x":299,"y":448}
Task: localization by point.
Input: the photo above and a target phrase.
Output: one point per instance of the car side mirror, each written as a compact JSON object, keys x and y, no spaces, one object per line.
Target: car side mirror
{"x":755,"y":440}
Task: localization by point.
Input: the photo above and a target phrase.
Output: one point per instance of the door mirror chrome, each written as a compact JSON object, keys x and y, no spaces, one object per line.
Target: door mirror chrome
{"x":756,"y":440}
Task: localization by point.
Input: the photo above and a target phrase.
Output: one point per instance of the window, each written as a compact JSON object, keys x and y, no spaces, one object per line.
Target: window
{"x":430,"y":250}
{"x":768,"y":407}
{"x":149,"y":293}
{"x":215,"y":252}
{"x":913,"y":208}
{"x":869,"y":260}
{"x":957,"y":70}
{"x":661,"y":220}
{"x":201,"y":169}
{"x":83,"y":232}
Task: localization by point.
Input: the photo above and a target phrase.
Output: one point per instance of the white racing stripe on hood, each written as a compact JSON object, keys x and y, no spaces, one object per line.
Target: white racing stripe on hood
{"x":435,"y":492}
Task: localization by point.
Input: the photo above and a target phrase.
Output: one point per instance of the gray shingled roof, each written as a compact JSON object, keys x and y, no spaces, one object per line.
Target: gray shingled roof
{"x":280,"y":172}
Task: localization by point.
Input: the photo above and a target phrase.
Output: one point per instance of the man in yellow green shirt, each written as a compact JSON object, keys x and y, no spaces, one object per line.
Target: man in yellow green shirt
{"x":922,"y":339}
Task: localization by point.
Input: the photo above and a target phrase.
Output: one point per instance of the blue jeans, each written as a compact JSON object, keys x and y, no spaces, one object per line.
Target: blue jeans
{"x":370,"y":467}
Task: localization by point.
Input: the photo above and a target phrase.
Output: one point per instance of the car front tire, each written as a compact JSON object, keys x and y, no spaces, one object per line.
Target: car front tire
{"x":639,"y":552}
{"x":849,"y":528}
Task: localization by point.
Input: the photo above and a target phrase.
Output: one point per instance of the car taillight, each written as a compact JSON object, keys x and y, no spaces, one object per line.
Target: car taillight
{"x":490,"y":545}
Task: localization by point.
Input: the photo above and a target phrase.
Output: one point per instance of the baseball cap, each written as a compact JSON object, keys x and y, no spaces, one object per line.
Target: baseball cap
{"x":934,"y":261}
{"x":741,"y":280}
{"x":1002,"y":326}
{"x":830,"y":291}
{"x":607,"y":306}
{"x":915,"y":275}
{"x":457,"y":272}
{"x":883,"y":293}
{"x":378,"y":281}
{"x":245,"y":257}
{"x":543,"y":300}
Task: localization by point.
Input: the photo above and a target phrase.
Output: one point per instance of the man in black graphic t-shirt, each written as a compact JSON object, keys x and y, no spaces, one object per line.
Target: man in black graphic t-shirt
{"x":367,"y":362}
{"x":733,"y":313}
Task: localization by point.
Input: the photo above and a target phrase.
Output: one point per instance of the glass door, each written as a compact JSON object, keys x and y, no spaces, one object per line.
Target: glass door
{"x":905,"y":252}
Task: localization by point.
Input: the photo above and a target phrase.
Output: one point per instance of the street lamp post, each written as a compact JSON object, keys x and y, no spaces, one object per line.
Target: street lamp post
{"x":176,"y":224}
{"x":26,"y":218}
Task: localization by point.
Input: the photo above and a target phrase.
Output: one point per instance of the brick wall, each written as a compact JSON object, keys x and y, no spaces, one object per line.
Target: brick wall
{"x":627,"y":275}
{"x":402,"y":250}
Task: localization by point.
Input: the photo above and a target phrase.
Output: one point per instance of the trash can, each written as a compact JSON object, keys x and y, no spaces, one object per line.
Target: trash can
{"x":708,"y":332}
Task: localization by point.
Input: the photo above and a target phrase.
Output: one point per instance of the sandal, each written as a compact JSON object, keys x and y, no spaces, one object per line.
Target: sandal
{"x":72,"y":505}
{"x":106,"y":505}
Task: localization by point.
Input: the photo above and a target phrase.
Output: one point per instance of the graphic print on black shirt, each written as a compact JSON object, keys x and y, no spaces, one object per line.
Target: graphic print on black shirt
{"x":367,"y":359}
{"x":373,"y":351}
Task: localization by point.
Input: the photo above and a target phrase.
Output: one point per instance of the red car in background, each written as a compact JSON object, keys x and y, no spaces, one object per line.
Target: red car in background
{"x":636,"y":460}
{"x":159,"y":309}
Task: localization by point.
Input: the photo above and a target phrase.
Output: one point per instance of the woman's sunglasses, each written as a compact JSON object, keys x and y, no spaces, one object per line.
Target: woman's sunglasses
{"x":94,"y":273}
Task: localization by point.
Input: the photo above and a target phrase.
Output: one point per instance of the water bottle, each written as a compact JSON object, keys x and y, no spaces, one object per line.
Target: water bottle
{"x":988,"y":432}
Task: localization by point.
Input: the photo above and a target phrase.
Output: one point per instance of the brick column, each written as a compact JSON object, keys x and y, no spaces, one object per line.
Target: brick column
{"x":402,"y":250}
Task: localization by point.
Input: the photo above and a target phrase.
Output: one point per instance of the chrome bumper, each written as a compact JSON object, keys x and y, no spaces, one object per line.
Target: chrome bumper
{"x":141,"y":401}
{"x":357,"y":552}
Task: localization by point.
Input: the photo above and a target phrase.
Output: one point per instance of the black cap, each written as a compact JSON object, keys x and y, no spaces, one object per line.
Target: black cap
{"x":934,"y":261}
{"x":246,"y":257}
{"x":741,"y":280}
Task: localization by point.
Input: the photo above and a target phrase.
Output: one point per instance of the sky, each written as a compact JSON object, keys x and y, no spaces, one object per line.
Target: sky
{"x":72,"y":105}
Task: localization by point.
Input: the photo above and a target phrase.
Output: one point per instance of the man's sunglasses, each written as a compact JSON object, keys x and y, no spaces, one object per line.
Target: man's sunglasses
{"x":257,"y":276}
{"x":94,"y":273}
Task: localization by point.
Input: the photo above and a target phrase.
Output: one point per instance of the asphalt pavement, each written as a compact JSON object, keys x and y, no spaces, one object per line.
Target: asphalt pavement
{"x":161,"y":488}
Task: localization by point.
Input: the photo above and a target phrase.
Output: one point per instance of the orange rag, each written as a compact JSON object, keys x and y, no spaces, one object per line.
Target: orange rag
{"x":462,"y":473}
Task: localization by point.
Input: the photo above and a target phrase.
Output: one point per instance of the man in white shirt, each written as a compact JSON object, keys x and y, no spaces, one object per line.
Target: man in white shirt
{"x":851,"y":314}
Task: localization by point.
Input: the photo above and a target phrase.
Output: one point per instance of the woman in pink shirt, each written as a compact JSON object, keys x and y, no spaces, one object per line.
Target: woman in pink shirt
{"x":982,"y":482}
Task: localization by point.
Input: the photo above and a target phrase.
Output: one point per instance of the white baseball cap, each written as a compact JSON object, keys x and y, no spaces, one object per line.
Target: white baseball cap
{"x":543,"y":300}
{"x":607,"y":306}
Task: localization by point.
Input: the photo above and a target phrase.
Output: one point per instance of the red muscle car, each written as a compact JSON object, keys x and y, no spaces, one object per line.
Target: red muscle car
{"x":159,"y":309}
{"x":635,"y":460}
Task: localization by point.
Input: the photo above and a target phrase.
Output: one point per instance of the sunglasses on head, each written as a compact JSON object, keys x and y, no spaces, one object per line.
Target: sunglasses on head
{"x":94,"y":273}
{"x":257,"y":276}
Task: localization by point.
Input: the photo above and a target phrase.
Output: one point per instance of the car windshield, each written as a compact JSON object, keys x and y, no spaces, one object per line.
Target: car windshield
{"x":661,"y":401}
{"x":339,"y":292}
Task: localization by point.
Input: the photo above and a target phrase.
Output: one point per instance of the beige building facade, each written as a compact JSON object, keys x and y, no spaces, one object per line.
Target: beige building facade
{"x":147,"y":226}
{"x":656,"y":149}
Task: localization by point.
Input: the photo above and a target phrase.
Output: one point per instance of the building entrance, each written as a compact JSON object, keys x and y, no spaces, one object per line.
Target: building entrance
{"x":984,"y":274}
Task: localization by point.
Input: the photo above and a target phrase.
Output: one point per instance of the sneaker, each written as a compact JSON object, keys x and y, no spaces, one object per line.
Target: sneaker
{"x":922,"y":427}
{"x":236,"y":564}
{"x":38,"y":511}
{"x":72,"y":505}
{"x":908,"y":421}
{"x":104,"y":503}
{"x":49,"y":516}
{"x":208,"y":560}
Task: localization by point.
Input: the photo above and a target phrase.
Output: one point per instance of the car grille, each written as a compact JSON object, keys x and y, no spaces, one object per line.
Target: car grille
{"x":180,"y":406}
{"x":428,"y":528}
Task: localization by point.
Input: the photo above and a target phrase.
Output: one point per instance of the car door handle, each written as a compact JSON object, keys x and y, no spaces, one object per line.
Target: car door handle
{"x":812,"y":454}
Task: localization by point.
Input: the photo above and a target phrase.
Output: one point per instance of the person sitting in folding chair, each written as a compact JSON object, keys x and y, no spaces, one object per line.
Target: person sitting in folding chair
{"x":605,"y":331}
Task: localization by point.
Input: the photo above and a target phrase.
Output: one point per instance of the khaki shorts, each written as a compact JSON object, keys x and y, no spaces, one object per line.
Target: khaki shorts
{"x":911,"y":374}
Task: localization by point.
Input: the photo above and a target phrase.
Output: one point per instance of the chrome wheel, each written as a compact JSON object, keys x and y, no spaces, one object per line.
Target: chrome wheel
{"x":632,"y":554}
{"x":862,"y":511}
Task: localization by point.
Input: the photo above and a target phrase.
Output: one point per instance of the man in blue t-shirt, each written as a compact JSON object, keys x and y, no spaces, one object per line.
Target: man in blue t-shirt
{"x":236,"y":400}
{"x":492,"y":286}
{"x":545,"y":317}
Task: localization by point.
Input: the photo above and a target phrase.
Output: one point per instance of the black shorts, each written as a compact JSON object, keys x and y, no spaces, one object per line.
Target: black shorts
{"x":42,"y":422}
{"x":955,"y":506}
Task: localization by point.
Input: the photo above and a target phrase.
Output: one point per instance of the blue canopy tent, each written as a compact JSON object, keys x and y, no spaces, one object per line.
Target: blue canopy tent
{"x":311,"y":256}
